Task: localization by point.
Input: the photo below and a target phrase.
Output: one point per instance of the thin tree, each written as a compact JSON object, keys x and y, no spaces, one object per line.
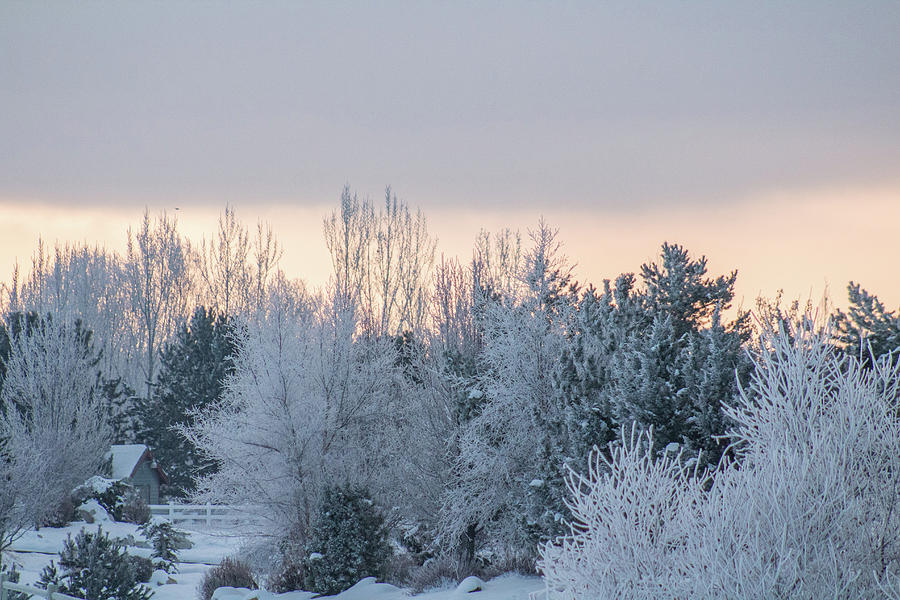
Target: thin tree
{"x":159,"y":285}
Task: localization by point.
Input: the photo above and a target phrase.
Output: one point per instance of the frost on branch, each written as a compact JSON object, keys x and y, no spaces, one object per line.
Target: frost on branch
{"x":53,"y":434}
{"x":632,"y":514}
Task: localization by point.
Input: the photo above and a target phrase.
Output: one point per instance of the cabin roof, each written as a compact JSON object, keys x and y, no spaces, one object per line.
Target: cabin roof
{"x":127,"y":457}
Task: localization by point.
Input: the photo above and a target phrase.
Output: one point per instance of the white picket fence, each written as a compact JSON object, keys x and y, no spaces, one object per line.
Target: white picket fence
{"x":210,"y":516}
{"x":50,"y":593}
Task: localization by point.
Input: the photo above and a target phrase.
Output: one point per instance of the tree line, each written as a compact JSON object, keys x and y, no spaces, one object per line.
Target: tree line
{"x":458,"y":394}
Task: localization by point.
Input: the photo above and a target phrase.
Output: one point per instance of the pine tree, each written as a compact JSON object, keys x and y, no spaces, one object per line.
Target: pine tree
{"x":348,"y":541}
{"x":659,"y":357}
{"x":95,"y":567}
{"x":678,"y":287}
{"x":867,"y":326}
{"x":680,"y":360}
{"x":712,"y":363}
{"x":646,"y":385}
{"x":193,"y":369}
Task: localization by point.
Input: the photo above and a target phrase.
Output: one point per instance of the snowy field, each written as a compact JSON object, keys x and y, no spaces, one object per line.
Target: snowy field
{"x":34,"y":550}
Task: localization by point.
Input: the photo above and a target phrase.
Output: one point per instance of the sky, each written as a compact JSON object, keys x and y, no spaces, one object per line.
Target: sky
{"x":763,"y":135}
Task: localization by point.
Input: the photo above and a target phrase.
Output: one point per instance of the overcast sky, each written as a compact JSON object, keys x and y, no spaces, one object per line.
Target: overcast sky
{"x":604,"y":110}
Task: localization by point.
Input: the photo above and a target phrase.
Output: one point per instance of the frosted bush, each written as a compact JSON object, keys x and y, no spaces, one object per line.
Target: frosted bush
{"x":632,"y":515}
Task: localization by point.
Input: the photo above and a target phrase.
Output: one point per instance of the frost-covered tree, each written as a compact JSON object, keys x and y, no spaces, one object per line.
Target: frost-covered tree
{"x":234,"y":270}
{"x":500,"y":447}
{"x":53,"y":431}
{"x":158,"y":283}
{"x":306,"y":404}
{"x":85,"y":283}
{"x":222,"y":267}
{"x":193,"y":369}
{"x":382,"y":260}
{"x":809,"y":511}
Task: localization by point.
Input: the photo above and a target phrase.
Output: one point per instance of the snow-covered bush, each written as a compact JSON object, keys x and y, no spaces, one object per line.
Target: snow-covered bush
{"x":288,"y":577}
{"x":119,"y":498}
{"x":231,"y":572}
{"x":61,"y":515}
{"x":95,"y":567}
{"x":632,"y":514}
{"x":348,"y":541}
{"x":810,"y":510}
{"x":142,"y":567}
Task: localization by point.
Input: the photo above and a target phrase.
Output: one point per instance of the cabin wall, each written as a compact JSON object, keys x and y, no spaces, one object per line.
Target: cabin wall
{"x":146,"y":481}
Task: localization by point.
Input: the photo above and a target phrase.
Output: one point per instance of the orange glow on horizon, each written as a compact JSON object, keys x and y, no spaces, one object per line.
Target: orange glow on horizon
{"x":804,"y":243}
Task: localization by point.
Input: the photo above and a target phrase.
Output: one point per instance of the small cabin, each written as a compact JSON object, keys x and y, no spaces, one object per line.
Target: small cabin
{"x":135,"y":464}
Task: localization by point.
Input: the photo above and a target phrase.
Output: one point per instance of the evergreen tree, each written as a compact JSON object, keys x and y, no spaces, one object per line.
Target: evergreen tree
{"x":660,"y":357}
{"x":645,"y":384}
{"x":193,"y":369}
{"x":678,"y":287}
{"x":680,"y":360}
{"x":118,"y":399}
{"x":94,"y":567}
{"x":348,"y":542}
{"x":867,"y":325}
{"x":711,"y":364}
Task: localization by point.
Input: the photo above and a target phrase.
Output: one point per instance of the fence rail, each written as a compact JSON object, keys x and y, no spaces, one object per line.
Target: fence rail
{"x":50,"y":593}
{"x":209,"y":515}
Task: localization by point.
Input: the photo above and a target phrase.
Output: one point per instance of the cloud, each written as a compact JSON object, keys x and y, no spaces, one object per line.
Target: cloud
{"x":623,"y":106}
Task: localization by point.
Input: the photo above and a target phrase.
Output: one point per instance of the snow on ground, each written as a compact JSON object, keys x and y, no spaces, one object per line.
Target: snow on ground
{"x":505,"y":587}
{"x":34,"y":550}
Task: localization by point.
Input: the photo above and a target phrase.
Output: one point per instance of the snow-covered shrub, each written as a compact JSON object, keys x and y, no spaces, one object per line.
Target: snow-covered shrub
{"x":348,"y":541}
{"x":438,"y":572}
{"x":95,"y":567}
{"x":91,"y":511}
{"x":134,"y":509}
{"x":813,"y":510}
{"x":143,"y":568}
{"x":119,"y":498}
{"x":62,"y":515}
{"x":231,"y":572}
{"x":166,"y":540}
{"x":288,"y":577}
{"x":632,"y":514}
{"x":810,"y":510}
